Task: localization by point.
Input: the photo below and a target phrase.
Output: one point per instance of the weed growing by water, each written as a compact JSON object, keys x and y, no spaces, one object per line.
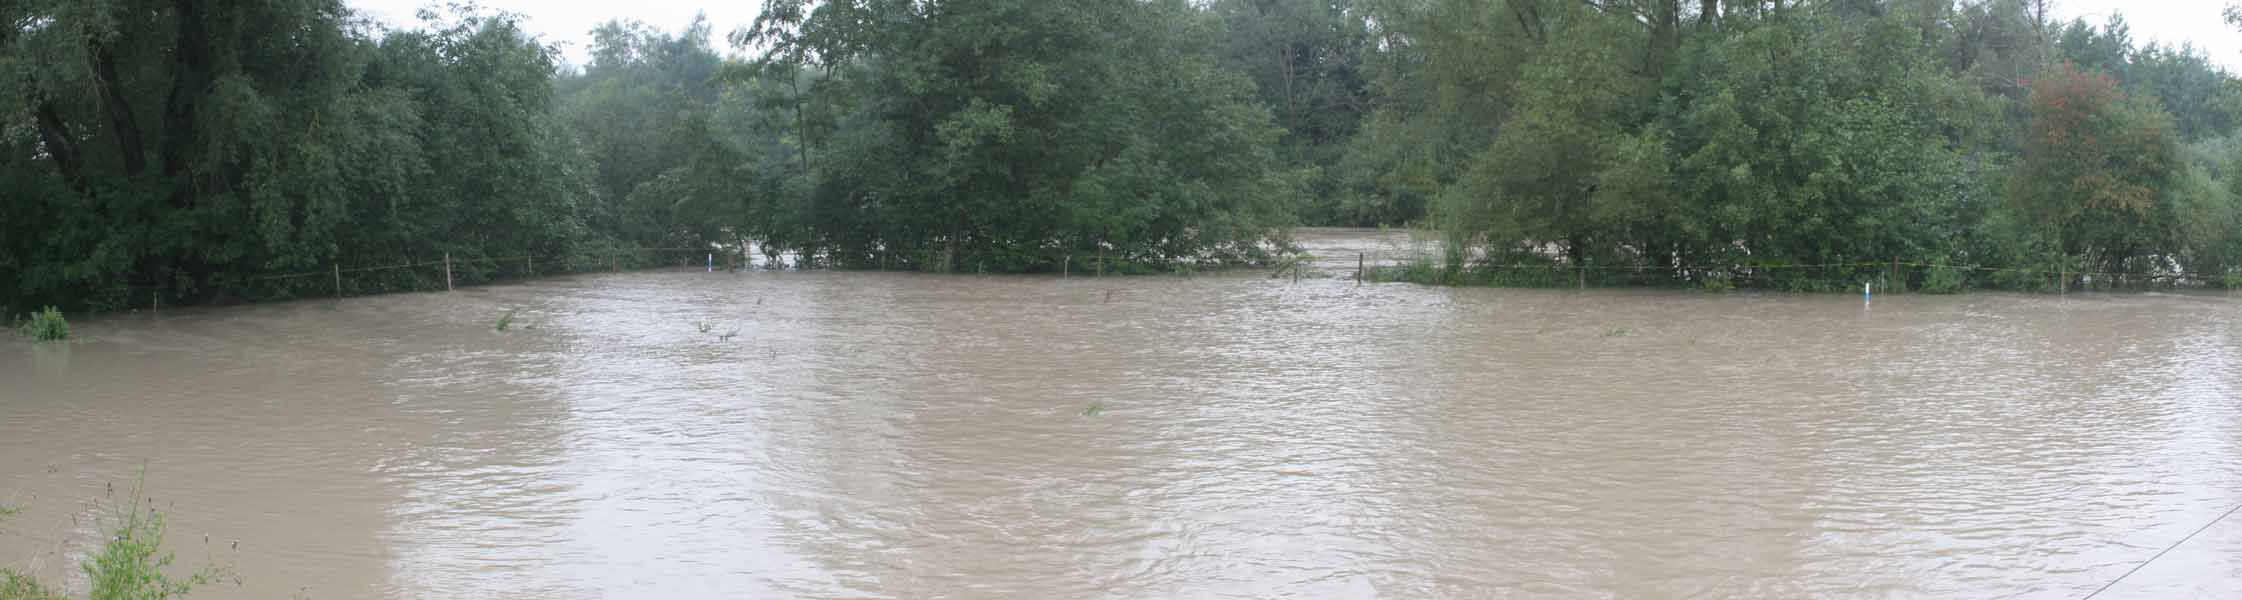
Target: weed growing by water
{"x":129,"y":566}
{"x":46,"y":326}
{"x":507,"y":320}
{"x":14,"y":586}
{"x":1095,"y":409}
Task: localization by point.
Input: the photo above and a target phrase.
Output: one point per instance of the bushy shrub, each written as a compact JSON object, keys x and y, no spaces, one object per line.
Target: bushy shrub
{"x":1941,"y":280}
{"x":46,"y":326}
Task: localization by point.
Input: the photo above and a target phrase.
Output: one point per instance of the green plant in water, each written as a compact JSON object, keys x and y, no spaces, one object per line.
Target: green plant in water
{"x":1095,"y":409}
{"x":1617,"y":332}
{"x":506,"y":320}
{"x":129,"y":566}
{"x":46,"y":326}
{"x":15,"y":586}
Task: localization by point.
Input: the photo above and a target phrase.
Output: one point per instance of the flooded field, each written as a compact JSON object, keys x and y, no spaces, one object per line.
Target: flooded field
{"x":830,"y":434}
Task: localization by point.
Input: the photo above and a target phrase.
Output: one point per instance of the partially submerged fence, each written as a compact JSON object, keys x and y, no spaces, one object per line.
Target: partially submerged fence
{"x":1882,"y":276}
{"x":448,"y":272}
{"x":439,"y":273}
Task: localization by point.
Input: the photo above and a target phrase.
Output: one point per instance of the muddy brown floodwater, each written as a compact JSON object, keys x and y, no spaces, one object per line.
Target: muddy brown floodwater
{"x":839,"y":434}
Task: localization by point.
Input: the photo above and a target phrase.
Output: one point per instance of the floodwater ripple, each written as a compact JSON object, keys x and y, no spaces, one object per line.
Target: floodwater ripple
{"x":824,"y":434}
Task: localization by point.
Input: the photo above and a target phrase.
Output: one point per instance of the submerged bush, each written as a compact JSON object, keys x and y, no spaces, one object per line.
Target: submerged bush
{"x":46,"y":326}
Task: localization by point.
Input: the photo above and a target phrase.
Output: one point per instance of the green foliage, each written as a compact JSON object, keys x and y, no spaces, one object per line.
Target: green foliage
{"x":45,"y":326}
{"x":130,"y":565}
{"x":16,"y":586}
{"x":2098,"y":169}
{"x":1941,"y":280}
{"x":1306,"y":59}
{"x":505,"y":320}
{"x":1793,"y":146}
{"x":1008,"y":135}
{"x":190,"y":148}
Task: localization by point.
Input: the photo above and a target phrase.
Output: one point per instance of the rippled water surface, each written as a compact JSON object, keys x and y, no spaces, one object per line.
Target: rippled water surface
{"x":899,"y":435}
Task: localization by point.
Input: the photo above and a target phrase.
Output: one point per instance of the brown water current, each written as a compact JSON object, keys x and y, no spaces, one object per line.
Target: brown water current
{"x":837,"y":434}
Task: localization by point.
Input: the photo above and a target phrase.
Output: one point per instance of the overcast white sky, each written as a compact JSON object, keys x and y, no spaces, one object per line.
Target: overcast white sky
{"x":566,"y":21}
{"x":570,"y":22}
{"x":2168,"y":21}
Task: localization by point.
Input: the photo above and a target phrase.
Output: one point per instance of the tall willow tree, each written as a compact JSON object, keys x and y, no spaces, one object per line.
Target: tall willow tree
{"x":639,"y":109}
{"x":170,"y":142}
{"x":170,"y":148}
{"x":1008,"y":134}
{"x":1305,"y":58}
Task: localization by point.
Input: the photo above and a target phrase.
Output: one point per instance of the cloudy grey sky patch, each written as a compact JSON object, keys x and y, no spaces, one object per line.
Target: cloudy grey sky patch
{"x":569,"y":23}
{"x":2169,"y":21}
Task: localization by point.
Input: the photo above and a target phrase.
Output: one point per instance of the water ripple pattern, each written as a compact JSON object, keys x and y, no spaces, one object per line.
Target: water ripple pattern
{"x":846,"y":435}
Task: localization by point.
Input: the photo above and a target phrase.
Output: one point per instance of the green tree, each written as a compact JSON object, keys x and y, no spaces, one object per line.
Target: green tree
{"x":2096,"y":169}
{"x":1009,"y":134}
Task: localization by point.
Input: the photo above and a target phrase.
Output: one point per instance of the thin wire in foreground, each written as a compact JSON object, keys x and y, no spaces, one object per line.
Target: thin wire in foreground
{"x":2160,"y":554}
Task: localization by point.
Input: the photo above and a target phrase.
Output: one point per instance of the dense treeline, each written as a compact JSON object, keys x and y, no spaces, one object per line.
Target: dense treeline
{"x":1703,"y":142}
{"x":178,"y":149}
{"x":164,"y":149}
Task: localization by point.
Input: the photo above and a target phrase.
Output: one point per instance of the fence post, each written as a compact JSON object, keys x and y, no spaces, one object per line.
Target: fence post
{"x":447,"y":271}
{"x":1360,"y":260}
{"x":338,"y":279}
{"x":1583,"y":271}
{"x":532,"y":259}
{"x":1066,"y":267}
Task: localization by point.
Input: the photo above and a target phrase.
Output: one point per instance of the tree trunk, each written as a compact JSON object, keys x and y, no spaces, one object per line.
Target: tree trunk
{"x":61,"y":147}
{"x":191,"y":76}
{"x":121,"y":122}
{"x":1708,"y":14}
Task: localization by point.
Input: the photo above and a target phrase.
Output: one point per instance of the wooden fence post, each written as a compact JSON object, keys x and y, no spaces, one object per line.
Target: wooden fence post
{"x":1101,"y":259}
{"x":338,"y":280}
{"x":532,"y":259}
{"x":1066,"y":267}
{"x":1360,"y":261}
{"x":447,"y":271}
